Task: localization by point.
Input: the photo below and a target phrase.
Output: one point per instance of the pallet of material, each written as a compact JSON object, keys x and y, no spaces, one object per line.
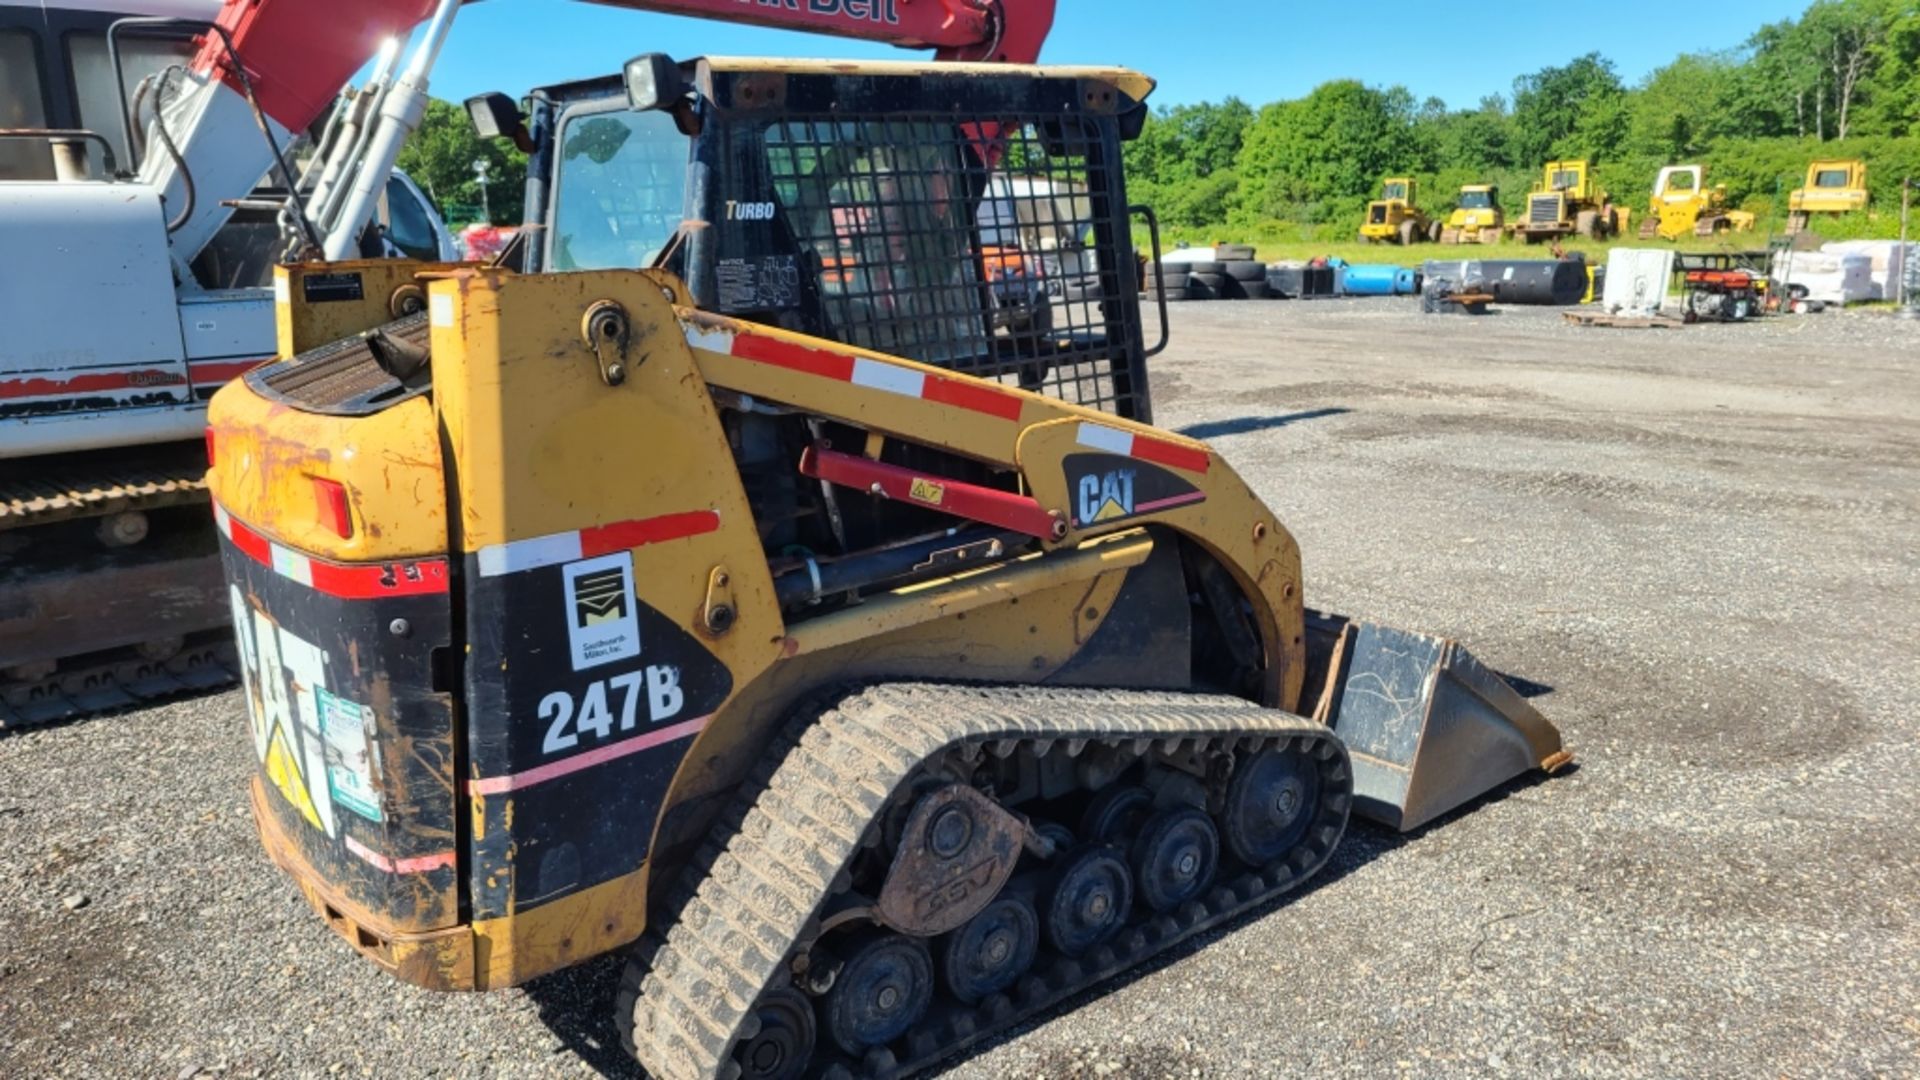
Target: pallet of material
{"x":1620,"y":322}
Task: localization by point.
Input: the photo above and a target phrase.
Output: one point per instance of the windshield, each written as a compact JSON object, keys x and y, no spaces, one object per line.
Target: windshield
{"x":1476,"y":200}
{"x":1393,"y":191}
{"x":1565,"y":180}
{"x":619,"y":192}
{"x":1830,"y":178}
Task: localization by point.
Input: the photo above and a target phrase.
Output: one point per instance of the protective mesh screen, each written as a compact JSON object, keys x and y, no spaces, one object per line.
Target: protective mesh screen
{"x":1019,"y":273}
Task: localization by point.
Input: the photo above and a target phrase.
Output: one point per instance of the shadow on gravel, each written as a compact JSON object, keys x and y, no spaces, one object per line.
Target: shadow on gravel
{"x":577,"y":1004}
{"x":1215,"y":428}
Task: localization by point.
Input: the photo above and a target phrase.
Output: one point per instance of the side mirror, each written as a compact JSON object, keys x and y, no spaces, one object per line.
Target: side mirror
{"x":654,"y":83}
{"x":495,"y":116}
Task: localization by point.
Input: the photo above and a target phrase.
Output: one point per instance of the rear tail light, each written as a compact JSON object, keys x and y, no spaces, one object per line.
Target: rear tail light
{"x":331,"y":495}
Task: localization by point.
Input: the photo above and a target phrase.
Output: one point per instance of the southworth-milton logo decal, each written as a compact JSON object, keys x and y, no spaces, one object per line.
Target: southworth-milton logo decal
{"x":1108,"y":487}
{"x":602,"y":621}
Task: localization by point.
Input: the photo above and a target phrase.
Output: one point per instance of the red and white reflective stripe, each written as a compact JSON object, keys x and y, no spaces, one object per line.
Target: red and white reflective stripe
{"x":874,"y":374}
{"x":359,"y":581}
{"x":556,"y":548}
{"x":500,"y":785}
{"x":1146,"y":448}
{"x":206,"y":372}
{"x":92,"y":382}
{"x":418,"y":864}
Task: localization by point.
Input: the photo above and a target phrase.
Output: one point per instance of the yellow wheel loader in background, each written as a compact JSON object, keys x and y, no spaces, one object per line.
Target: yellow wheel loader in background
{"x":1395,"y":217}
{"x":868,"y":665}
{"x":1683,"y":205}
{"x":1833,"y":187}
{"x":1476,"y":217}
{"x":1567,"y":201}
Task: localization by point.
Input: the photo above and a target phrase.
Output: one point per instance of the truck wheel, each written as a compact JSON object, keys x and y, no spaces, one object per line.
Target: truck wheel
{"x":1246,"y":270}
{"x":1408,"y":234}
{"x":1434,"y":229}
{"x":1587,"y":223}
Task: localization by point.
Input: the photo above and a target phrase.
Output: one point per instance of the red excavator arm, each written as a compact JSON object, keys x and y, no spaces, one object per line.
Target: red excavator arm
{"x":300,"y":54}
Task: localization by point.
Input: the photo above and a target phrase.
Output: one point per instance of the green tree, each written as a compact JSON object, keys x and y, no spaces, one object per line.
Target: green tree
{"x":1325,"y":152}
{"x":1573,"y":110}
{"x":440,"y":158}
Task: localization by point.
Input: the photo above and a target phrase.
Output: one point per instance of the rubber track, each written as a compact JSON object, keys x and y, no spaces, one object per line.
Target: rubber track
{"x":784,"y":850}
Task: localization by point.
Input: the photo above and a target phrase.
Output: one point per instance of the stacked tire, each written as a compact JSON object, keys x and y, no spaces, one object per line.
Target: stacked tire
{"x":1165,"y":279}
{"x":1233,"y":274}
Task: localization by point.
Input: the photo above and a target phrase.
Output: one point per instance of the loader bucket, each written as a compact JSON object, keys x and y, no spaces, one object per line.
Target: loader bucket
{"x":1428,"y":727}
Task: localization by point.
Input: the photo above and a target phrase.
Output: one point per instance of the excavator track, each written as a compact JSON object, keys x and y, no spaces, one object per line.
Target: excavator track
{"x":110,"y":586}
{"x":102,"y":485}
{"x":117,"y":680}
{"x":697,"y":998}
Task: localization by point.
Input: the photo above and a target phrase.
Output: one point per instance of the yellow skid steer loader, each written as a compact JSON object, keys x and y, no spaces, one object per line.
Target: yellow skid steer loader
{"x":864,"y":661}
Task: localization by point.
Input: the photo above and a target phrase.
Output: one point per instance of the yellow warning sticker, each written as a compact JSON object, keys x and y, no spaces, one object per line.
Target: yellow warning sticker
{"x":927,"y":491}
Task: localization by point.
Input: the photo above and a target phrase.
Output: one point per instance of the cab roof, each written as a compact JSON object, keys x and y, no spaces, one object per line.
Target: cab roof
{"x":1127,"y":81}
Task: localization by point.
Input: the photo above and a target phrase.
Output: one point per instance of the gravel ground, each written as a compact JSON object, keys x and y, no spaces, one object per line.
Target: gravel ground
{"x":1702,"y":541}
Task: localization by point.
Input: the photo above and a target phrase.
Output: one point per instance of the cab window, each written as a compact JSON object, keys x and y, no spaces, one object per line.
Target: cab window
{"x":1830,"y":178}
{"x":619,"y":190}
{"x":1476,"y":200}
{"x":885,"y":208}
{"x":93,"y":83}
{"x":406,"y":221}
{"x":22,"y":106}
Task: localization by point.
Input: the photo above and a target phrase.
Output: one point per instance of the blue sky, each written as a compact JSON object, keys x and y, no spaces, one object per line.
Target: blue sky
{"x":1199,"y":50}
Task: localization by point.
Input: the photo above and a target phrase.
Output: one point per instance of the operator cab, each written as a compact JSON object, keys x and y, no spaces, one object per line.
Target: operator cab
{"x":855,"y":204}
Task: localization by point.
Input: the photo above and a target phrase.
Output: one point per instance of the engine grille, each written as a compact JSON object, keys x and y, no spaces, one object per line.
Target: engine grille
{"x":341,"y":377}
{"x":1543,"y":210}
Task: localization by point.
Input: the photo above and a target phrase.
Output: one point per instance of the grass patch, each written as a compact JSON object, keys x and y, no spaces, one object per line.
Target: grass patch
{"x":1275,"y":241}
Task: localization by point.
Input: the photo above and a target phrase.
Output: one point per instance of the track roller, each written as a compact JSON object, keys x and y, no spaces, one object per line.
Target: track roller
{"x":883,"y":988}
{"x":1089,"y":901}
{"x":1175,"y":858}
{"x":993,"y":949}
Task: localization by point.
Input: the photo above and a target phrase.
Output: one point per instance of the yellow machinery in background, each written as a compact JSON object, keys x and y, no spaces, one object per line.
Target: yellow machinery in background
{"x":867,"y":662}
{"x":1395,"y":217}
{"x":1833,"y":187}
{"x":1683,"y":205}
{"x":1567,"y":201}
{"x":1476,"y":217}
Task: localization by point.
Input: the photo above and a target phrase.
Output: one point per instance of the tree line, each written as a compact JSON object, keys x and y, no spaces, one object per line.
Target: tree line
{"x":1842,"y":80}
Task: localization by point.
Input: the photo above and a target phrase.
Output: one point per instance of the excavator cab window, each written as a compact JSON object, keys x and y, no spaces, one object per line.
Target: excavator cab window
{"x":1830,"y":178}
{"x":620,"y":189}
{"x":141,"y":55}
{"x":1566,"y":179}
{"x":22,"y":105}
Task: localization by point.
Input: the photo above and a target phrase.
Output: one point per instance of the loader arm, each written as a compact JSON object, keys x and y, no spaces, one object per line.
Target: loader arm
{"x":293,"y":59}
